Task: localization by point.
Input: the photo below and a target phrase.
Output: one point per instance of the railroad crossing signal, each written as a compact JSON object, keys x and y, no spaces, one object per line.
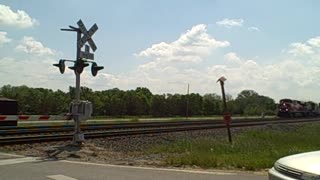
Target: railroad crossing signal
{"x":82,"y":61}
{"x":86,"y":53}
{"x":87,"y":35}
{"x":83,"y":57}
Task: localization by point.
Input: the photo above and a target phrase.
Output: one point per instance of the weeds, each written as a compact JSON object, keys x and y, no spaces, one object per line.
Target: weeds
{"x":252,"y":150}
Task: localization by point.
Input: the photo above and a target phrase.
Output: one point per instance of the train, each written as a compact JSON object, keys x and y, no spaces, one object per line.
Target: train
{"x":295,"y":108}
{"x":8,"y":107}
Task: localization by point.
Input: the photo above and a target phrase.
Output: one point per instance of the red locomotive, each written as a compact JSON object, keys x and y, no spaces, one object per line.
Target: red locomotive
{"x":294,"y":108}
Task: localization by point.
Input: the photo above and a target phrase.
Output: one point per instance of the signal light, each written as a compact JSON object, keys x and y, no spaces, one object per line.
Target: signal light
{"x":79,"y":66}
{"x":95,"y":68}
{"x":61,"y":66}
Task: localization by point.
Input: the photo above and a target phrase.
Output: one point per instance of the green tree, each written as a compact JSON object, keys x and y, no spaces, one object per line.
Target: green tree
{"x":212,"y":104}
{"x":158,"y":106}
{"x":195,"y":104}
{"x":250,"y":102}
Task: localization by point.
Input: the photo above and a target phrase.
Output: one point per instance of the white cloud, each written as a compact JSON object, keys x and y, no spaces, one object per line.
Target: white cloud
{"x":288,"y":77}
{"x":314,"y":41}
{"x":31,"y":46}
{"x":252,"y":28}
{"x":300,"y":49}
{"x":170,"y":65}
{"x":34,"y":71}
{"x":18,"y":19}
{"x":229,"y":23}
{"x":310,"y":47}
{"x":3,"y":38}
{"x":233,"y":58}
{"x":189,"y":47}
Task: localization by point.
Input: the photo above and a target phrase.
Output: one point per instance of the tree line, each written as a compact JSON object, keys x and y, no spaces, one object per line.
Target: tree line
{"x":138,"y":102}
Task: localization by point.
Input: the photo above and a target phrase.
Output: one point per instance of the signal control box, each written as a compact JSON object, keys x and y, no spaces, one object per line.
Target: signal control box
{"x":81,"y":111}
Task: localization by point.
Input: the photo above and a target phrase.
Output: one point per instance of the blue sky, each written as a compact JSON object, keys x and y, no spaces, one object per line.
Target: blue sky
{"x":269,"y":46}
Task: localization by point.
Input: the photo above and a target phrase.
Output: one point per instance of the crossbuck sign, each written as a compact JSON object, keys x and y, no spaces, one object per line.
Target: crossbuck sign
{"x":87,"y":38}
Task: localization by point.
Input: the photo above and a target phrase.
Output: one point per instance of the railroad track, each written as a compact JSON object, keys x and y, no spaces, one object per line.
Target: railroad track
{"x":9,"y":131}
{"x":128,"y":129}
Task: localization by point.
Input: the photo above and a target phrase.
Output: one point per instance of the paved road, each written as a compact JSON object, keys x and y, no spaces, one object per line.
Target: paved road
{"x":17,"y":168}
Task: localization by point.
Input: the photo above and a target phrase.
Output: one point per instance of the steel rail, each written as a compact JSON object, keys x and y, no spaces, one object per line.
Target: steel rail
{"x":129,"y":132}
{"x":136,"y":123}
{"x":111,"y":126}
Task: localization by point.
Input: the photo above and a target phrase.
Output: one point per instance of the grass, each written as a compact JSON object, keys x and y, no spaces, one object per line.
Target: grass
{"x":252,"y":150}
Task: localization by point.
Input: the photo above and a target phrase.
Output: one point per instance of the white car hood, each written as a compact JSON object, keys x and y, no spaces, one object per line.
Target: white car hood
{"x":306,"y":162}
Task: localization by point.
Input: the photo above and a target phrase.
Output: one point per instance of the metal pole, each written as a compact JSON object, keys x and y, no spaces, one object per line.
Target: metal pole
{"x":77,"y":98}
{"x":223,"y":97}
{"x":225,"y":110}
{"x":77,"y":129}
{"x":187,"y":111}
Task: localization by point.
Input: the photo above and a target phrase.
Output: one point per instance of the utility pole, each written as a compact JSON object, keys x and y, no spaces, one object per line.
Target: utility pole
{"x":81,"y":110}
